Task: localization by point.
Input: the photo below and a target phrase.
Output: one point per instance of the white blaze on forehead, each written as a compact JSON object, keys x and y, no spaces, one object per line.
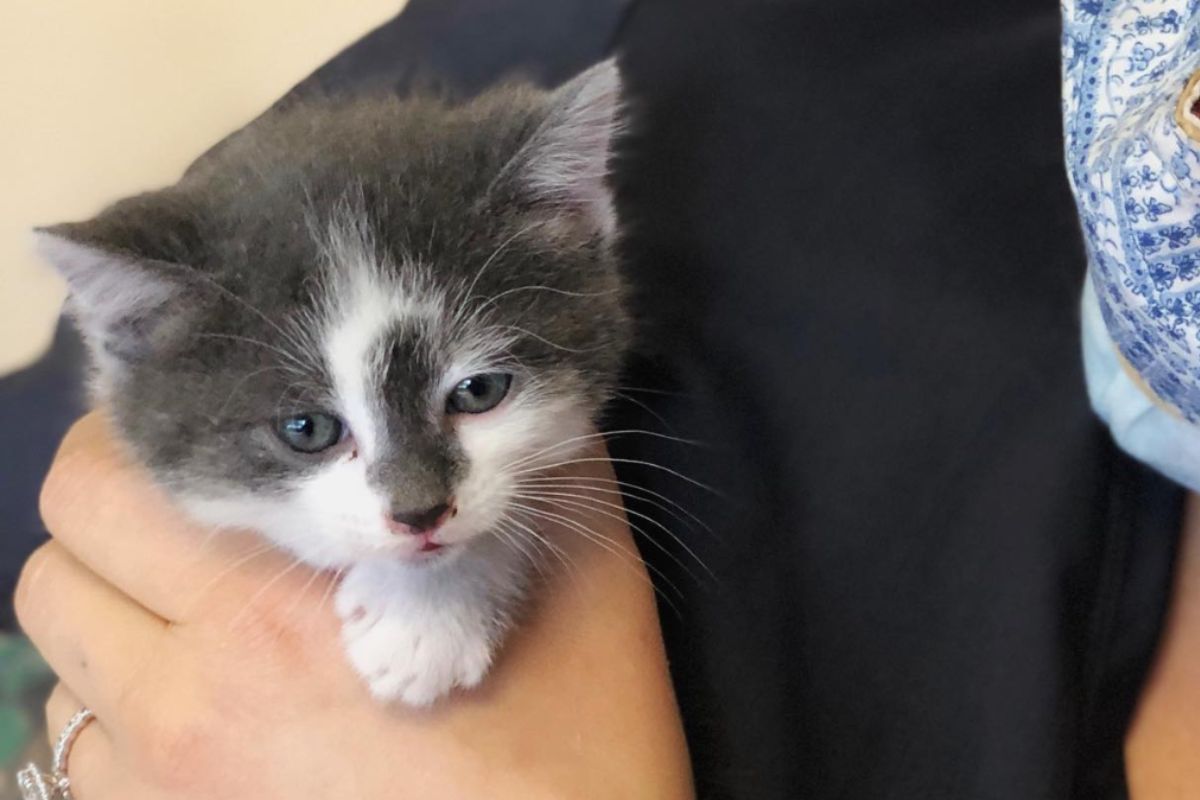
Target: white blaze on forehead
{"x":364,"y":300}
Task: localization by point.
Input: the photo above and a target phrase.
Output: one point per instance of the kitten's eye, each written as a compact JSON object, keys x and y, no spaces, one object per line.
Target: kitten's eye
{"x":310,"y":433}
{"x":479,"y":393}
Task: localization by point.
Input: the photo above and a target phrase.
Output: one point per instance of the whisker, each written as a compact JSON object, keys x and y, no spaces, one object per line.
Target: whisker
{"x":234,"y":297}
{"x":496,"y":253}
{"x":632,"y":461}
{"x":599,"y":435}
{"x":625,"y":488}
{"x":249,"y":604}
{"x":647,"y":390}
{"x":548,"y":343}
{"x":583,"y":499}
{"x":254,"y":553}
{"x":566,"y":504}
{"x":300,"y":595}
{"x":511,"y":541}
{"x":552,"y":289}
{"x":328,"y":593}
{"x":284,"y":395}
{"x":292,"y":358}
{"x":629,"y":399}
{"x":633,"y":490}
{"x":432,"y":236}
{"x":538,"y":539}
{"x":569,"y":567}
{"x":241,"y":381}
{"x":518,"y":543}
{"x":600,"y":540}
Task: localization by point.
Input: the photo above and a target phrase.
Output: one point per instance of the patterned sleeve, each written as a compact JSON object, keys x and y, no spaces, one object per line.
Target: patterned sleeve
{"x":1133,"y":159}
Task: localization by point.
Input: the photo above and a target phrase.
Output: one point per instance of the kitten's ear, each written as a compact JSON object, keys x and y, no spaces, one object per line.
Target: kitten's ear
{"x":126,"y":289}
{"x":564,"y":165}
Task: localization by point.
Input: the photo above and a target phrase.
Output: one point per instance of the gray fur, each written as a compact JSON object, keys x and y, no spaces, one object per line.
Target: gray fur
{"x":195,"y":371}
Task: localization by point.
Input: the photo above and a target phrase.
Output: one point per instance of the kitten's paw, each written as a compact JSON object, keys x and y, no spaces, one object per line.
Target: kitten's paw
{"x":416,"y":660}
{"x":411,"y":652}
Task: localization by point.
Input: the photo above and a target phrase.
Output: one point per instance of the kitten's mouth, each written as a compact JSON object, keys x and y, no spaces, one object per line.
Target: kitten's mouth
{"x":428,"y":548}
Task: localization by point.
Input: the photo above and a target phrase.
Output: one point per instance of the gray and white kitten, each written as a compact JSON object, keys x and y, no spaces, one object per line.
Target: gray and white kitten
{"x":356,"y":328}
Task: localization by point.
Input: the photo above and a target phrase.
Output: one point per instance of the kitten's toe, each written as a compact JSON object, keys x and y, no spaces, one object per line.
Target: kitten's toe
{"x":364,"y":595}
{"x":417,"y":661}
{"x":419,"y":690}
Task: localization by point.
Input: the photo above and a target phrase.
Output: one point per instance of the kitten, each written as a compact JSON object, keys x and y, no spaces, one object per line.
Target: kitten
{"x":356,"y":327}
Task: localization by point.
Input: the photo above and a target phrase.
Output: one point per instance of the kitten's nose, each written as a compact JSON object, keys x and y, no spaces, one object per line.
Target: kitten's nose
{"x":422,"y":521}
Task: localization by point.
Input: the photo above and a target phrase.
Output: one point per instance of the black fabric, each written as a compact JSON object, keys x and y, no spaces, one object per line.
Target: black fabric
{"x":467,"y":45}
{"x":39,"y":403}
{"x":858,"y":267}
{"x":936,"y":578}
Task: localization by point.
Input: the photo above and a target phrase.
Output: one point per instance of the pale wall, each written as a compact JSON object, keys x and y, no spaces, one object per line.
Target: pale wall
{"x":100,"y":98}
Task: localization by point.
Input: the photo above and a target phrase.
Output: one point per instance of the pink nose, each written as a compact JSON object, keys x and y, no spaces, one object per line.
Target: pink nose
{"x":414,"y":523}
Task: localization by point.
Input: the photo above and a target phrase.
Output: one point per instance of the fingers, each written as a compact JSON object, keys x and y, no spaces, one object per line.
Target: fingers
{"x":96,"y":639}
{"x":90,"y":760}
{"x":110,"y":515}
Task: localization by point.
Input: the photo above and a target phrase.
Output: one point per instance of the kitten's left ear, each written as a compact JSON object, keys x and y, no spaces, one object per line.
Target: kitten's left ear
{"x":127,"y":288}
{"x":564,"y":165}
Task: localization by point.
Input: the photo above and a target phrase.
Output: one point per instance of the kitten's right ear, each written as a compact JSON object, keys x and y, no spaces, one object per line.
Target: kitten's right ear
{"x":563,"y":167}
{"x":127,"y":300}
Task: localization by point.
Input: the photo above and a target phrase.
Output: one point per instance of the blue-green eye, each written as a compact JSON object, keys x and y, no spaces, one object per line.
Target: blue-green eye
{"x":311,"y":432}
{"x":479,"y":393}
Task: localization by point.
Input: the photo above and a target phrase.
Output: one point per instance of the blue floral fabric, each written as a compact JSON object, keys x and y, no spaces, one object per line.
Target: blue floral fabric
{"x":1136,"y":177}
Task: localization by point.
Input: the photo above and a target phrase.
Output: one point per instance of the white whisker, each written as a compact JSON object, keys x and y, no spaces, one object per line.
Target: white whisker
{"x":565,"y":504}
{"x":496,"y":253}
{"x":554,"y":290}
{"x":604,"y":542}
{"x":633,"y":490}
{"x":333,"y":582}
{"x":248,"y":607}
{"x":598,"y":435}
{"x":254,"y":553}
{"x":548,"y":343}
{"x":629,"y":399}
{"x":582,"y":501}
{"x":291,"y":358}
{"x":632,"y":461}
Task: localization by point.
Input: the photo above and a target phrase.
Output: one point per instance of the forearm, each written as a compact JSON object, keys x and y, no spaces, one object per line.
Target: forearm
{"x":597,"y":710}
{"x":1162,"y":750}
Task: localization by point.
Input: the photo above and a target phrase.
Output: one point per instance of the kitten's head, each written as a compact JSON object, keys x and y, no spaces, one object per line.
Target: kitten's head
{"x":357,"y":328}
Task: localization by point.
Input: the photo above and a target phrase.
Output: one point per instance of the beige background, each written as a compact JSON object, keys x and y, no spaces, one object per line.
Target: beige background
{"x":101,"y":98}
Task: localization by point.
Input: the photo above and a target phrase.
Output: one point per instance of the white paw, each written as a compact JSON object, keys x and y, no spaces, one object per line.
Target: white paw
{"x":416,"y":660}
{"x":410,"y":651}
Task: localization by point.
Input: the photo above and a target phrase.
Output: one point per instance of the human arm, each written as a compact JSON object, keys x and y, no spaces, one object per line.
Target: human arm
{"x":214,"y":678}
{"x":1162,"y":749}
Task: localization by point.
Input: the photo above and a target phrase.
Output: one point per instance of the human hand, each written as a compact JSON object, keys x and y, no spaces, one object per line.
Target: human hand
{"x":215,"y":669}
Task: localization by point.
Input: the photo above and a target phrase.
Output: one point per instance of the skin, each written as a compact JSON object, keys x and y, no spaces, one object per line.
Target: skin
{"x":217,"y":672}
{"x":1162,"y":750}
